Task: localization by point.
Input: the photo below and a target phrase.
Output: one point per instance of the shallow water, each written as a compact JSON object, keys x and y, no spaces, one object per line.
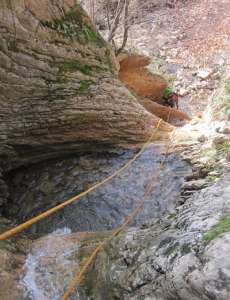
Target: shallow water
{"x":54,"y":257}
{"x":45,"y":185}
{"x":45,"y":264}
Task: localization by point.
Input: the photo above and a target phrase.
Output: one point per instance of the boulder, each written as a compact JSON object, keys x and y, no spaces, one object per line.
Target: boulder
{"x":139,"y":79}
{"x":59,"y":88}
{"x":164,"y":112}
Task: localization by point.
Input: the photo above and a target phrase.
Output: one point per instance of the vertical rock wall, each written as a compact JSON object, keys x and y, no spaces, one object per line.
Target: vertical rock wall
{"x":59,"y":88}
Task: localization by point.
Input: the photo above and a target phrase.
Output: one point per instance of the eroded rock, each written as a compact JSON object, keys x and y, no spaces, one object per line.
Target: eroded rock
{"x":139,"y":79}
{"x":59,"y":89}
{"x":12,"y":259}
{"x":174,"y":261}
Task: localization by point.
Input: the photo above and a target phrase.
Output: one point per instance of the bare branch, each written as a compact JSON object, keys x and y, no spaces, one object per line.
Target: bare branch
{"x":108,"y":14}
{"x":92,"y":10}
{"x":120,"y":7}
{"x":126,"y":27}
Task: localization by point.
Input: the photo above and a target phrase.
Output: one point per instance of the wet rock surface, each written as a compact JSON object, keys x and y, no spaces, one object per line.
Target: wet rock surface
{"x":172,"y":260}
{"x":36,"y":189}
{"x":178,"y":248}
{"x":180,"y":254}
{"x":12,"y":259}
{"x":3,"y":190}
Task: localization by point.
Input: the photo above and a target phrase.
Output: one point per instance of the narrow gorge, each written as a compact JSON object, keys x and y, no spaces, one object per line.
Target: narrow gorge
{"x":140,"y":133}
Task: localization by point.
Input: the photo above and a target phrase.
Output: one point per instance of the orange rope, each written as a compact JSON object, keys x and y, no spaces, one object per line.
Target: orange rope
{"x":79,"y":277}
{"x":25,"y":225}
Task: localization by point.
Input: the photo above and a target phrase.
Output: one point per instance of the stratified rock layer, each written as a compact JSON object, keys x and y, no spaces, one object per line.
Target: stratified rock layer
{"x":59,"y":89}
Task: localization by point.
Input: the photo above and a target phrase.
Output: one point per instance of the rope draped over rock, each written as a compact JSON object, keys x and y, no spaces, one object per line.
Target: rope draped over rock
{"x":80,"y":275}
{"x":10,"y":233}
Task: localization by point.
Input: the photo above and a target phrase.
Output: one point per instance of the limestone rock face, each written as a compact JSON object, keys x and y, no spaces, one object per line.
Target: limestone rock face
{"x":185,"y":257}
{"x":59,"y":87}
{"x":3,"y":190}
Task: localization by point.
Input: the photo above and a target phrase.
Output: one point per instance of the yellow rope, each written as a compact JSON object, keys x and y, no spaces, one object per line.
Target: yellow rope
{"x":25,"y":225}
{"x":79,"y":277}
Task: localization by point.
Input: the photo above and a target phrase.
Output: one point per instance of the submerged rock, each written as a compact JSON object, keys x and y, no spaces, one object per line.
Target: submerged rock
{"x":45,"y":185}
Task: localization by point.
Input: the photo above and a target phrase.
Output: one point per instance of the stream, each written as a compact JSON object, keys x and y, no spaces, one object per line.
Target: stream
{"x":35,"y":189}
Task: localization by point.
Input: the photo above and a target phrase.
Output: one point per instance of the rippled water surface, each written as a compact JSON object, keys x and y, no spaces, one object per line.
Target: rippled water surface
{"x":43,"y":186}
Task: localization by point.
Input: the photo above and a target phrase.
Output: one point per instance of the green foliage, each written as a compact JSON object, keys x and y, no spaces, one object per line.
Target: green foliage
{"x":69,"y":24}
{"x":72,"y":66}
{"x":222,"y":227}
{"x":75,"y":24}
{"x":213,"y":178}
{"x":93,"y":36}
{"x":224,"y":148}
{"x":168,"y":92}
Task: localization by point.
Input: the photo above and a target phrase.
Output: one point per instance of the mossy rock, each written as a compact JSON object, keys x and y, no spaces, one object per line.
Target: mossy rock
{"x":73,"y":65}
{"x":222,"y":227}
{"x":75,"y":24}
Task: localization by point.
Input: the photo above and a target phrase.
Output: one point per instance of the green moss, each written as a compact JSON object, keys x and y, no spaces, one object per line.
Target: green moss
{"x":92,"y":35}
{"x":75,"y":24}
{"x":69,"y":24}
{"x":213,"y":178}
{"x":72,"y":66}
{"x":172,"y":216}
{"x":221,"y":227}
{"x":85,"y":84}
{"x":62,"y":27}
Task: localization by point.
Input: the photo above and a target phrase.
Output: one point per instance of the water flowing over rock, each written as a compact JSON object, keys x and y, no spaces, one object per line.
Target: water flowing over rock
{"x":67,"y":122}
{"x":178,"y":256}
{"x":177,"y":259}
{"x":12,"y":258}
